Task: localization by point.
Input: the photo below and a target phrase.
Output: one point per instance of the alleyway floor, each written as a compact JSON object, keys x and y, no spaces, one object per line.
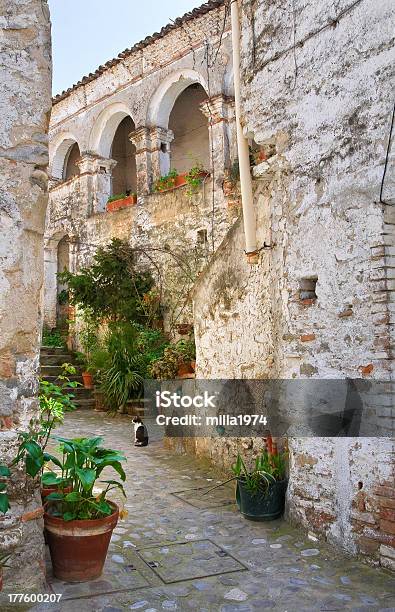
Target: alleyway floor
{"x":200,"y":554}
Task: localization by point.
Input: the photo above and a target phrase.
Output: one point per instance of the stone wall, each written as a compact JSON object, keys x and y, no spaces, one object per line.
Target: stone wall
{"x":25,"y":103}
{"x":324,"y":120}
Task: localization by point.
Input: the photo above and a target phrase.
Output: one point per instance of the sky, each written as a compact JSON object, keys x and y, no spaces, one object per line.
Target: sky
{"x":88,"y":33}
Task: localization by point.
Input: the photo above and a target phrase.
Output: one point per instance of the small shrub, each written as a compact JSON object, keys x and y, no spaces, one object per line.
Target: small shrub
{"x":194,"y":178}
{"x":52,"y":338}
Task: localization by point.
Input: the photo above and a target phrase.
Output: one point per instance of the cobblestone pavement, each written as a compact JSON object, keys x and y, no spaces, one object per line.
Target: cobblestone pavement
{"x":200,"y":554}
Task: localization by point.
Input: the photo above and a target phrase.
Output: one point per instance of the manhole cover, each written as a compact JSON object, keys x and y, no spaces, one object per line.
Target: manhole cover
{"x":189,"y":560}
{"x":223,"y":496}
{"x":116,"y":578}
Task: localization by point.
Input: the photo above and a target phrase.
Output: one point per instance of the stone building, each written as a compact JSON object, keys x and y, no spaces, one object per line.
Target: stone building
{"x":316,"y":86}
{"x":25,"y":104}
{"x":166,"y":102}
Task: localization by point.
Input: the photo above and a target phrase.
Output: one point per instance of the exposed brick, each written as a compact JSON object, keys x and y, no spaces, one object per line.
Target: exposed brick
{"x":307,"y":337}
{"x":368,"y":546}
{"x":387,"y":526}
{"x":388,"y":514}
{"x":368,"y":369}
{"x":33,"y":515}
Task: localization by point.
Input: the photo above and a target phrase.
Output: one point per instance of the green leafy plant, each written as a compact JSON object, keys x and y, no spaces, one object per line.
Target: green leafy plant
{"x":124,"y":373}
{"x":166,"y":182}
{"x":110,"y":288}
{"x":118,"y":196}
{"x":63,"y":297}
{"x":5,"y":474}
{"x":55,"y":400}
{"x":52,"y":338}
{"x":268,"y":468}
{"x":194,"y":178}
{"x":82,"y":463}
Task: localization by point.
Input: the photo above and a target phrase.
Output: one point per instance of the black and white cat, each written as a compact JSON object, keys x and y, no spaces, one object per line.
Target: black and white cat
{"x":140,"y":432}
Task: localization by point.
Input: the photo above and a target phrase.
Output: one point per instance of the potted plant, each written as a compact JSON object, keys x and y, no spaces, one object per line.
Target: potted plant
{"x":168,"y":181}
{"x":121,"y":200}
{"x":194,"y":178}
{"x":260,"y":492}
{"x":79,"y":524}
{"x":177,"y":362}
{"x":4,"y":558}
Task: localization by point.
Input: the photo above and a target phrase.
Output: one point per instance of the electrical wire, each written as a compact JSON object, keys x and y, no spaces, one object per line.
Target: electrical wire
{"x":386,"y":158}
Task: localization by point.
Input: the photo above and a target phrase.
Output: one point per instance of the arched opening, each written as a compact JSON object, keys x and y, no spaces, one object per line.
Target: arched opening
{"x":64,"y":154}
{"x":70,"y":164}
{"x":63,"y":263}
{"x":190,"y":127}
{"x":124,"y":176}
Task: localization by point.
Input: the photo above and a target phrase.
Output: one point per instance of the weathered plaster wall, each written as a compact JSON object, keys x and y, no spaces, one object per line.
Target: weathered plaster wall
{"x":25,"y":85}
{"x":326,"y":108}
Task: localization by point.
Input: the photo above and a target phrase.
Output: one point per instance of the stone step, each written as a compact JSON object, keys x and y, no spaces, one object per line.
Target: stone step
{"x":53,"y":378}
{"x":52,"y":350}
{"x":80,"y":393}
{"x":53,"y":370}
{"x":57,"y":359}
{"x":85,"y":403}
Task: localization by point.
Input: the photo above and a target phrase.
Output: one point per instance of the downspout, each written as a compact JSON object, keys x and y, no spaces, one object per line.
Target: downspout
{"x":242,"y":146}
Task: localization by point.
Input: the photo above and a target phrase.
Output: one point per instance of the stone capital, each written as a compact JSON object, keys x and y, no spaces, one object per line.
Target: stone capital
{"x":92,"y":164}
{"x":160,"y":136}
{"x":218,"y":108}
{"x":141,"y":139}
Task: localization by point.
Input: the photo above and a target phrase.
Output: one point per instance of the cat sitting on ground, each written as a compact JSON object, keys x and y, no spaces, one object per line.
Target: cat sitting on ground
{"x":140,"y":432}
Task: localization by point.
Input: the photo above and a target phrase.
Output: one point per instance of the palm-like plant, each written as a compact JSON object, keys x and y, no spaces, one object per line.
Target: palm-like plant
{"x":124,"y":374}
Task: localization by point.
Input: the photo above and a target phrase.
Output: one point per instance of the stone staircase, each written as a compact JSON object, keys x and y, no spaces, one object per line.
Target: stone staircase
{"x":51,"y":360}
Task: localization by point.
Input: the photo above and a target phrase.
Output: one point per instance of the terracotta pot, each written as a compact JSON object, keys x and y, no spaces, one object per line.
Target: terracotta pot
{"x":121,"y":203}
{"x":79,"y":548}
{"x":193,"y":365}
{"x":99,"y":401}
{"x":185,"y":368}
{"x":180,"y":180}
{"x":87,"y":377}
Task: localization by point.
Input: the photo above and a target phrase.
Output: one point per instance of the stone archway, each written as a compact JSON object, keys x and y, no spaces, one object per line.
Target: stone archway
{"x":56,"y":258}
{"x":109,"y":138}
{"x":174,"y":111}
{"x":65,"y":152}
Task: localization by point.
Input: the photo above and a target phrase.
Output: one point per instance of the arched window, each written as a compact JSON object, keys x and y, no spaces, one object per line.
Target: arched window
{"x":124,"y":177}
{"x":70,"y":164}
{"x":190,"y":127}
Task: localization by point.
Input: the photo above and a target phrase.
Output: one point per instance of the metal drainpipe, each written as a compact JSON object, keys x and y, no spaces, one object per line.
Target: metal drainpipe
{"x":242,"y":146}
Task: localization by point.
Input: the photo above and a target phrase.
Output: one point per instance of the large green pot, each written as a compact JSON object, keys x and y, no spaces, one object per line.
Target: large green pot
{"x":263,"y":506}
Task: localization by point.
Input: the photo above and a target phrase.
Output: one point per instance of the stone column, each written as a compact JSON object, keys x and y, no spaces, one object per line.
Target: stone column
{"x":142,"y":141}
{"x":160,"y":151}
{"x":50,"y":294}
{"x":96,"y":177}
{"x":25,"y":103}
{"x":219,"y":111}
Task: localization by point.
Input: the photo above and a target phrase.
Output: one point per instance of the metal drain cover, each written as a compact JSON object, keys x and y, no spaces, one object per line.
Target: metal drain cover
{"x":189,"y":560}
